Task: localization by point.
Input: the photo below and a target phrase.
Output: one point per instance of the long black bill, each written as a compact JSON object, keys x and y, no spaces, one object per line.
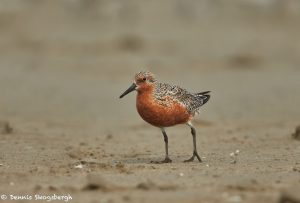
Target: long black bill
{"x":130,"y":89}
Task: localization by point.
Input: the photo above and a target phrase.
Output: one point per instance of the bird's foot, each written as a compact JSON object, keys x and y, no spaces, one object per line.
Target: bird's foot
{"x":190,"y":159}
{"x":166,"y":160}
{"x":195,"y":154}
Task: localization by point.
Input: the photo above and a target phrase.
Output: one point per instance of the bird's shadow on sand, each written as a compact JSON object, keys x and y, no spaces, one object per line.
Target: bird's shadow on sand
{"x":153,"y":160}
{"x":137,"y":160}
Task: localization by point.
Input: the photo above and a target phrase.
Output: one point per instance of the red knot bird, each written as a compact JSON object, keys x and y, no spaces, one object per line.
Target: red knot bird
{"x":163,"y":105}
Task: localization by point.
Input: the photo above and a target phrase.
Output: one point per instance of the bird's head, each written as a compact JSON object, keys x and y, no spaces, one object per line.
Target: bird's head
{"x":143,"y":81}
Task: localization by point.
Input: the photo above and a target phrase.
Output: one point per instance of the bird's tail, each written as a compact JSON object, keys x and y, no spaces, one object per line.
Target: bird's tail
{"x":204,"y":95}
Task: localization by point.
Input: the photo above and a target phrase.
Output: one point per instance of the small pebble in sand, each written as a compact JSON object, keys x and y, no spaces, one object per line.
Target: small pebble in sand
{"x":11,"y":183}
{"x":52,"y":188}
{"x":290,"y":195}
{"x":233,"y":161}
{"x":181,"y":174}
{"x":109,"y":136}
{"x":295,"y":169}
{"x":296,"y":135}
{"x":1,"y":164}
{"x":207,"y":165}
{"x":79,"y":166}
{"x":97,"y":182}
{"x":146,"y":185}
{"x":233,"y":156}
{"x":5,"y":127}
{"x":235,"y":153}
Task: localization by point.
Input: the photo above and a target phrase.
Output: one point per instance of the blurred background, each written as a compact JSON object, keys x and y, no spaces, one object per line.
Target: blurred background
{"x":64,"y":64}
{"x":69,"y":60}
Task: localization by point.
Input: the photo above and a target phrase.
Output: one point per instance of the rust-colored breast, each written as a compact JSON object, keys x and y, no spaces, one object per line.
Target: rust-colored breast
{"x":161,"y":113}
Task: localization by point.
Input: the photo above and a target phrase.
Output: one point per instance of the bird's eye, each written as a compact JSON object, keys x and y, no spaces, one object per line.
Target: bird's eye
{"x":144,"y":79}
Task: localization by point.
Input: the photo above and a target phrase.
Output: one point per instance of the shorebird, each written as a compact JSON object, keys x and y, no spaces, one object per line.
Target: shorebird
{"x":163,"y":105}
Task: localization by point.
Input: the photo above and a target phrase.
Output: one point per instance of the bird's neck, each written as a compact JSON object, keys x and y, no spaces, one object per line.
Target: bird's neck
{"x":146,"y":90}
{"x":145,"y":94}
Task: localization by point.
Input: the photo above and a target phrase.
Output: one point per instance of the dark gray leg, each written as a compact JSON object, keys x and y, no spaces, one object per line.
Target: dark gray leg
{"x":167,"y":159}
{"x":195,"y":153}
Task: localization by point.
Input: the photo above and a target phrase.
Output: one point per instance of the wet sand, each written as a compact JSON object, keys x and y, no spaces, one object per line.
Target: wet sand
{"x":65,"y":131}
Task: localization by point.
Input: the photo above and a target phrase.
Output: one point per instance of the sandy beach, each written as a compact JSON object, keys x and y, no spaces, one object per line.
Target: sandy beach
{"x":64,"y":131}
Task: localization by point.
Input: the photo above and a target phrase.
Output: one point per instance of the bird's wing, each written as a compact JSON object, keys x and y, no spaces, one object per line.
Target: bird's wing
{"x":199,"y":100}
{"x":165,"y":92}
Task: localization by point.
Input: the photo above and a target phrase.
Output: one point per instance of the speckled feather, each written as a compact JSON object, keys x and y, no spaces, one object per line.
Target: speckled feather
{"x":191,"y":101}
{"x":165,"y":94}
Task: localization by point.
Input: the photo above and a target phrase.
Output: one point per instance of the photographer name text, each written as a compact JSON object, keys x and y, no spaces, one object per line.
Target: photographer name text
{"x":37,"y":197}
